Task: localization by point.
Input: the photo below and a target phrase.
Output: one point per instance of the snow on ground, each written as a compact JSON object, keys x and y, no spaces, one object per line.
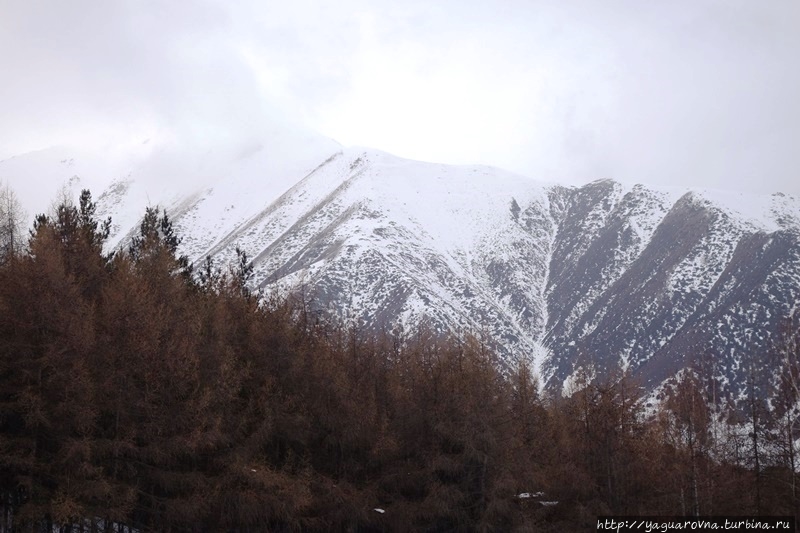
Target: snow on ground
{"x":763,"y":212}
{"x":297,"y":201}
{"x":230,"y":182}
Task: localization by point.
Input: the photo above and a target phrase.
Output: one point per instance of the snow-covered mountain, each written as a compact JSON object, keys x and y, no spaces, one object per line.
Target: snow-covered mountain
{"x":601,"y":276}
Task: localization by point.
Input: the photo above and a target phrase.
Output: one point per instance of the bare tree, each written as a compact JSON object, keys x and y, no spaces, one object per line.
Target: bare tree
{"x":787,"y":402}
{"x":691,"y":435}
{"x":12,"y":222}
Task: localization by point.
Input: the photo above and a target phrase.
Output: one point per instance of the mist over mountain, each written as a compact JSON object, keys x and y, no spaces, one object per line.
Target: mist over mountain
{"x":592,"y":278}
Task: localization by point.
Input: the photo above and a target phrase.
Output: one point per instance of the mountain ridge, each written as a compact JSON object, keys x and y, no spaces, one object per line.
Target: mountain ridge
{"x":604,"y":275}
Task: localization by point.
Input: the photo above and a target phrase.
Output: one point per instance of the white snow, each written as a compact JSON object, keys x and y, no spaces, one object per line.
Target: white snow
{"x":306,"y":209}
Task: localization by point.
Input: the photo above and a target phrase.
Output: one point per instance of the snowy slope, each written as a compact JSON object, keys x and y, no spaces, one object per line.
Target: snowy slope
{"x":247,"y":174}
{"x":603,"y":275}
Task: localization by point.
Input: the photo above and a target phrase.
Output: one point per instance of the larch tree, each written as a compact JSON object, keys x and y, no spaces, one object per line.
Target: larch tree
{"x":690,"y":434}
{"x":45,"y":363}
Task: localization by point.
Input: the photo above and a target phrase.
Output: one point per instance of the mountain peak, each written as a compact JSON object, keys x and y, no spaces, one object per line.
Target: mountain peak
{"x":605,"y":275}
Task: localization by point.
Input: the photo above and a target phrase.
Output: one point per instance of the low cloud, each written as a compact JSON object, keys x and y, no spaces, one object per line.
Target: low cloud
{"x":684,"y":93}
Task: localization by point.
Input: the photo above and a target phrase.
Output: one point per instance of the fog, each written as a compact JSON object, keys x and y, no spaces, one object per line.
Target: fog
{"x":687,"y":92}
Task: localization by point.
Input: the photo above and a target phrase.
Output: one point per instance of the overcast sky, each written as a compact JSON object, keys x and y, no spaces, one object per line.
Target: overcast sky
{"x":683,"y":92}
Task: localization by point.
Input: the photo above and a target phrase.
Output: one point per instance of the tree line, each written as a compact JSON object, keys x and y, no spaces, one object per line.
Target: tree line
{"x":140,"y":393}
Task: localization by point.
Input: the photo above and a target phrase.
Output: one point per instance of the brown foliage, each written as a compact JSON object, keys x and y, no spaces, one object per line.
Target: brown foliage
{"x":134,"y":394}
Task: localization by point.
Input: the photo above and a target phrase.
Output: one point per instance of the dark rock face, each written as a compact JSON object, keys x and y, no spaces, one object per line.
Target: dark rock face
{"x":598,"y":276}
{"x":701,"y":292}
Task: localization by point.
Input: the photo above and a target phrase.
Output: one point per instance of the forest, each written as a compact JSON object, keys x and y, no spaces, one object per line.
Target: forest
{"x":141,"y":393}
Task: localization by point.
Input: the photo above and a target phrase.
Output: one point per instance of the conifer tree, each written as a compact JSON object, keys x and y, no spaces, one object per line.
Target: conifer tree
{"x":157,"y":243}
{"x":46,"y":370}
{"x":691,"y":436}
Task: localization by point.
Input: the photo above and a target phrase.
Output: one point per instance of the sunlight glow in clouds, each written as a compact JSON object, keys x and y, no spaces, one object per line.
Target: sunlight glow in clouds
{"x":688,"y":92}
{"x":433,"y":107}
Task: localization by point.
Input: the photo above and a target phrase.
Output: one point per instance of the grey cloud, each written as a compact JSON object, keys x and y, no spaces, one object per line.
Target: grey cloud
{"x":685,"y":92}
